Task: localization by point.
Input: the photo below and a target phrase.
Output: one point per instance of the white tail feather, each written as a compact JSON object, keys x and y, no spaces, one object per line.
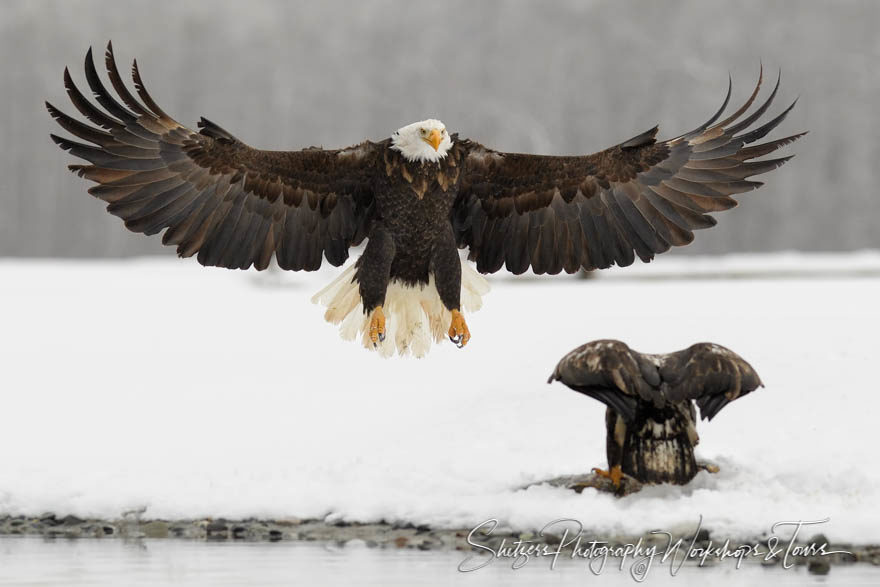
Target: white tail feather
{"x":414,"y":315}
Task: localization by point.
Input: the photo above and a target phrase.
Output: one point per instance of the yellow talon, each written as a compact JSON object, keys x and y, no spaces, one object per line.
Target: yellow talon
{"x":458,"y":331}
{"x":377,"y":325}
{"x":615,"y":474}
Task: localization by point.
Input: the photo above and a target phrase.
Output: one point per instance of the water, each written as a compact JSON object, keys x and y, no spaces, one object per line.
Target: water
{"x":32,"y":561}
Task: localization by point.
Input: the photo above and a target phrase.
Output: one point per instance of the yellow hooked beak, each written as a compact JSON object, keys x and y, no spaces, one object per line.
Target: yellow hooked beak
{"x":434,"y":139}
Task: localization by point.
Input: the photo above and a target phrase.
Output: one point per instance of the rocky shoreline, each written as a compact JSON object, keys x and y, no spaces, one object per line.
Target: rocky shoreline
{"x":377,"y":535}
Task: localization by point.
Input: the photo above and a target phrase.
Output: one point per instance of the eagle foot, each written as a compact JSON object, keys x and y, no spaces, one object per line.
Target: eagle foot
{"x":458,"y":331}
{"x":615,"y":474}
{"x":709,"y":467}
{"x":377,"y":325}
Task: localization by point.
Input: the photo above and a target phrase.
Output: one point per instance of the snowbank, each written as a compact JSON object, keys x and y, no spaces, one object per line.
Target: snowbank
{"x":197,"y":392}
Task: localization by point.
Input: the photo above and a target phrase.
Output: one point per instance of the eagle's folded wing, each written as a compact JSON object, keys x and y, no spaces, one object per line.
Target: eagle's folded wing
{"x":637,"y":198}
{"x":710,"y":374}
{"x":232,"y":204}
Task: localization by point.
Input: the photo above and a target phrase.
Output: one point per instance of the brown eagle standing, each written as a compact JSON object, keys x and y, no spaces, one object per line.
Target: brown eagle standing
{"x":650,"y":420}
{"x":416,"y":197}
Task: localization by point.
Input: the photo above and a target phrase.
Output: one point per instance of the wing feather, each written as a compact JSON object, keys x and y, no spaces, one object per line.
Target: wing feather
{"x":213,"y":195}
{"x":610,"y":372}
{"x":621,"y":378}
{"x":710,"y":374}
{"x":636,"y":199}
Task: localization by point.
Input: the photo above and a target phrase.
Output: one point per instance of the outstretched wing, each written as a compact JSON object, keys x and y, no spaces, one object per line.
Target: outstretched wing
{"x":709,"y":373}
{"x":233,"y":205}
{"x":635,"y":199}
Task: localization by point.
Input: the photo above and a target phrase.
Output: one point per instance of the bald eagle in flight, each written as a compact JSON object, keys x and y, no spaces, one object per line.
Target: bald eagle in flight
{"x":415,"y":197}
{"x":650,"y":419}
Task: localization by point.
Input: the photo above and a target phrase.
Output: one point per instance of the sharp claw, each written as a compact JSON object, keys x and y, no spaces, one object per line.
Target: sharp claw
{"x":458,"y":331}
{"x":614,"y":474}
{"x":377,"y":326}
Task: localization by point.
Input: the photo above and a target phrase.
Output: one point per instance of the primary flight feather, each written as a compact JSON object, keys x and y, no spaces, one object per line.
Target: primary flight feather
{"x":415,"y":197}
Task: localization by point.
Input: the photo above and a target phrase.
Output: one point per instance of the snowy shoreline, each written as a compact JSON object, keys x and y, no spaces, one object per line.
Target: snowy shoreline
{"x":191,"y":394}
{"x":409,"y":536}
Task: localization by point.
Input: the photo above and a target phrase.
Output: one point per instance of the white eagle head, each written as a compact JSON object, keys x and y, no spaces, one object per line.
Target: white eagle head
{"x":422,"y":141}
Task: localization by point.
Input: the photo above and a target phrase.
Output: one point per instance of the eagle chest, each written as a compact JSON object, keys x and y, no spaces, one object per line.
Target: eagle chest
{"x":421,"y":178}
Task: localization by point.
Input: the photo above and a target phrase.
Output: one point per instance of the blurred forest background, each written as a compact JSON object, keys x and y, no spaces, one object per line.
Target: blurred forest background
{"x":546,"y":77}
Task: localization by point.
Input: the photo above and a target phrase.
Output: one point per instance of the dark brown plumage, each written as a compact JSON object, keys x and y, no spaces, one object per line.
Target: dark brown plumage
{"x":233,"y":205}
{"x":236,"y":206}
{"x":650,"y":419}
{"x":635,"y":199}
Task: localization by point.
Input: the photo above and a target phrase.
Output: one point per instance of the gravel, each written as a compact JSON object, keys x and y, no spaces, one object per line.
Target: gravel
{"x":378,"y":535}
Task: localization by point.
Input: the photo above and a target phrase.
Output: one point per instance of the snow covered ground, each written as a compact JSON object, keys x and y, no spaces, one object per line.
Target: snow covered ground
{"x":204,"y":392}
